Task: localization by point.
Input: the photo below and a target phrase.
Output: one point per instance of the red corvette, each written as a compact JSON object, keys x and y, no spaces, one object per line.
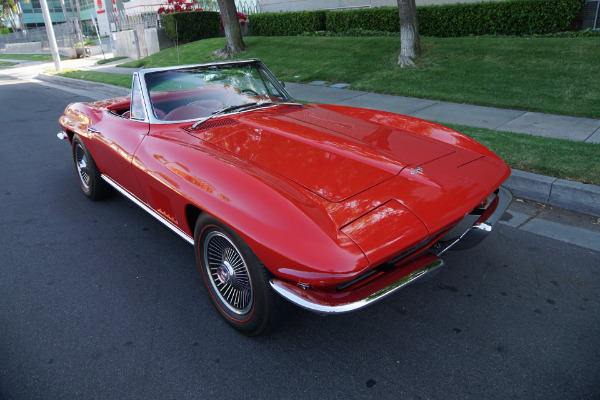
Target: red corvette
{"x":329,"y":207}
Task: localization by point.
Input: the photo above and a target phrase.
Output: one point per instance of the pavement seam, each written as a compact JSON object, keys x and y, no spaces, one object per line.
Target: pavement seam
{"x":428,"y":106}
{"x":354,"y":97}
{"x":499,"y":127}
{"x":533,"y":216}
{"x":597,"y":131}
{"x":550,"y":191}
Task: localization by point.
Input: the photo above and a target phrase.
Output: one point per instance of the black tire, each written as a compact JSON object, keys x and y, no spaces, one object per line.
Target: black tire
{"x":90,"y":181}
{"x":238,"y":283}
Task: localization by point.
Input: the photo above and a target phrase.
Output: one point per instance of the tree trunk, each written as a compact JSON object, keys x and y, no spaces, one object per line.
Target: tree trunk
{"x":233,"y":31}
{"x":409,"y":32}
{"x":20,"y":15}
{"x":13,"y":23}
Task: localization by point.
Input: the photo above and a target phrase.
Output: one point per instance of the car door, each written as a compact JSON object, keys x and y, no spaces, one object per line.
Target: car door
{"x":116,"y":138}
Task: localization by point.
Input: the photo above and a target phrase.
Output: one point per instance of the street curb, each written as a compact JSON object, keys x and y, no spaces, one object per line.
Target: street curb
{"x":575,"y":196}
{"x":110,"y":90}
{"x":562,"y":193}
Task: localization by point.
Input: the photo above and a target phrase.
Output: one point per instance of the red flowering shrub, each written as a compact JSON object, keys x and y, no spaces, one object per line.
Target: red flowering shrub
{"x":179,"y":6}
{"x":241,"y":17}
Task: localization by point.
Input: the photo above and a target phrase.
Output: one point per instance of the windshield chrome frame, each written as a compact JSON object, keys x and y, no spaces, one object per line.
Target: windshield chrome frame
{"x":151,"y":118}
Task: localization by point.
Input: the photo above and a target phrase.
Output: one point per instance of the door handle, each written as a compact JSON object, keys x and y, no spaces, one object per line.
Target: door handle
{"x":93,"y":132}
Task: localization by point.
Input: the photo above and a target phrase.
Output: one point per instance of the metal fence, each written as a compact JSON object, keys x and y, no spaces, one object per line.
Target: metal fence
{"x":149,"y":18}
{"x":65,"y":35}
{"x":145,"y":18}
{"x":591,"y":15}
{"x":246,"y":7}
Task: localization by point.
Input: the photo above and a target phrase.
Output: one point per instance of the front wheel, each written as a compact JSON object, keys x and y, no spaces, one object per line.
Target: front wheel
{"x":236,"y":280}
{"x":89,"y":176}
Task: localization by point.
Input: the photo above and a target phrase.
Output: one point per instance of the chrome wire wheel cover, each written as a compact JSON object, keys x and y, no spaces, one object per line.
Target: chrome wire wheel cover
{"x":82,"y":167}
{"x":227,"y":272}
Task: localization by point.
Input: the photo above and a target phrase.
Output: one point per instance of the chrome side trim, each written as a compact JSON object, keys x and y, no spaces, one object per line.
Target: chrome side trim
{"x":306,"y":303}
{"x":149,"y":210}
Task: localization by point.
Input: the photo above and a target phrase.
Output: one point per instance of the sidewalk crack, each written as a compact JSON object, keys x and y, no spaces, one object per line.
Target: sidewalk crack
{"x":535,"y":215}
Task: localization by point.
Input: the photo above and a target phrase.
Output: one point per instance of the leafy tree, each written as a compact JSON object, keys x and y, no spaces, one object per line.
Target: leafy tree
{"x":8,"y":9}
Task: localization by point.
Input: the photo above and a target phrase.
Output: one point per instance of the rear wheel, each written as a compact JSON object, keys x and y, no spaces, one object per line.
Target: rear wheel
{"x":236,"y":280}
{"x":89,"y":177}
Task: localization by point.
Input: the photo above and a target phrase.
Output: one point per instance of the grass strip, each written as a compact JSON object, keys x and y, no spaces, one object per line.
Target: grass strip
{"x":552,"y":75}
{"x":108,"y":60}
{"x":123,"y":80}
{"x":560,"y":158}
{"x":30,"y":57}
{"x":7,"y":63}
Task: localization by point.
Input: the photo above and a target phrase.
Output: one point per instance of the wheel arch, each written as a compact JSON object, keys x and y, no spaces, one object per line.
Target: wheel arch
{"x":192,"y":213}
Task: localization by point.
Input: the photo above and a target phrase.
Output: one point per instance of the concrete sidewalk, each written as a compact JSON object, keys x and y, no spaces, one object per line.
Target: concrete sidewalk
{"x":548,"y":190}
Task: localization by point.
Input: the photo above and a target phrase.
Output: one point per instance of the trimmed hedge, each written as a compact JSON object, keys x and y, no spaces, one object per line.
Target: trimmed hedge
{"x":515,"y":17}
{"x":289,"y":23}
{"x":192,"y":25}
{"x":370,"y":19}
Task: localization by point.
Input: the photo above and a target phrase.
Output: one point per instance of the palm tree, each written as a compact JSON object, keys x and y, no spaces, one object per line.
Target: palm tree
{"x":8,"y":8}
{"x":20,"y":14}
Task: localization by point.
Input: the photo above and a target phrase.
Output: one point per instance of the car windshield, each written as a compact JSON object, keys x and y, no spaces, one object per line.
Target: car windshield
{"x":199,"y":92}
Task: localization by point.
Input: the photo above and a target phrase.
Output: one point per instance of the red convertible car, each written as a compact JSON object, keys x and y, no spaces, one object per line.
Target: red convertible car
{"x":328,"y":207}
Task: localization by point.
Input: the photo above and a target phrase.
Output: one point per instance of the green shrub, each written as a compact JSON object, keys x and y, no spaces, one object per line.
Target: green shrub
{"x":515,"y":17}
{"x":190,"y":26}
{"x":5,"y":30}
{"x":370,"y":19}
{"x":356,"y":33}
{"x":287,"y":23}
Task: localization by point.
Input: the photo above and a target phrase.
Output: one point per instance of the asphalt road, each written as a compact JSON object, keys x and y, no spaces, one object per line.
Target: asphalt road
{"x":100,"y":301}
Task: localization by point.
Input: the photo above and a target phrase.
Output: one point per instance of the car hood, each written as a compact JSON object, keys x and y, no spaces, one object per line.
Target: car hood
{"x":333,"y":155}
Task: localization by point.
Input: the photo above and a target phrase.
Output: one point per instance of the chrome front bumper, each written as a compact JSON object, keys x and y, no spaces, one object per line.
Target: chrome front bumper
{"x":481,"y":228}
{"x":359,"y":296}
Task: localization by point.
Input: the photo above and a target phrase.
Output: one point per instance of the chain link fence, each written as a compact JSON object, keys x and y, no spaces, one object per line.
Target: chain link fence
{"x":591,"y":15}
{"x":65,"y":34}
{"x":149,"y":18}
{"x":145,"y":18}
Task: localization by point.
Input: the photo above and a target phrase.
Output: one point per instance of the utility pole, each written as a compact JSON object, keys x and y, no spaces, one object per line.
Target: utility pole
{"x":51,"y":38}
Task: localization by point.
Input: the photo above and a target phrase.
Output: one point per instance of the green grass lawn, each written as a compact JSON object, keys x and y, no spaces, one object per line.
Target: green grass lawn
{"x":7,"y":63}
{"x":549,"y":75}
{"x":30,"y":57}
{"x":553,"y":75}
{"x":560,"y":158}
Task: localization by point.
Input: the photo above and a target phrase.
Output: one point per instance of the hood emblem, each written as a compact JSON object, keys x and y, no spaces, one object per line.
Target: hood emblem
{"x":415,"y":171}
